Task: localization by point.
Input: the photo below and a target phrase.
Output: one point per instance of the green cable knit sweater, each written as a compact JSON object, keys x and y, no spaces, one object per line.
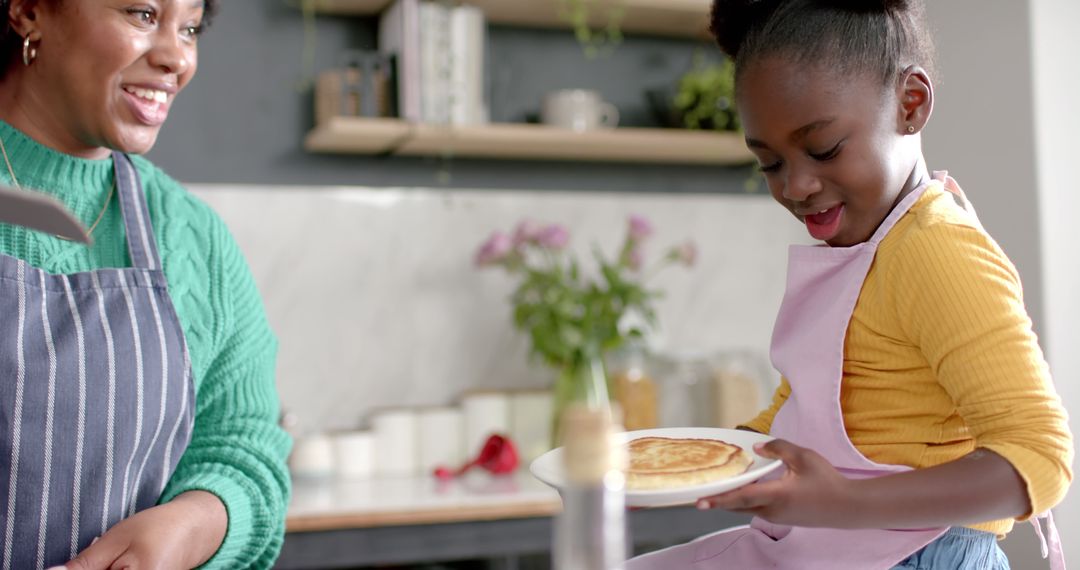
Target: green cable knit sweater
{"x":237,"y":450}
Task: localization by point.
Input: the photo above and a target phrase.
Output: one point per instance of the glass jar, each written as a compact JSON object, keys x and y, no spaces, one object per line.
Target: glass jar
{"x":722,"y":388}
{"x":740,"y":382}
{"x":684,"y":388}
{"x":591,"y":531}
{"x":633,"y":387}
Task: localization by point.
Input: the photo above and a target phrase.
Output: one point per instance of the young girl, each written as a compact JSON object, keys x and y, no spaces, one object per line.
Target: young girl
{"x":916,"y":416}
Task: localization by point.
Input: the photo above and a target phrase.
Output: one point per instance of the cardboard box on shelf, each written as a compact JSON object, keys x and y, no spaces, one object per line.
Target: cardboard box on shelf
{"x":359,"y":89}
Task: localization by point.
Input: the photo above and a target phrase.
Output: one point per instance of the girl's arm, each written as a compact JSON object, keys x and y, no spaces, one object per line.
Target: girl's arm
{"x":763,"y":421}
{"x":978,"y":487}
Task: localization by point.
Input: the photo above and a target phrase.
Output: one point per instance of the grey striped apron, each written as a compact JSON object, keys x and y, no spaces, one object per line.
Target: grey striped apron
{"x":96,"y":396}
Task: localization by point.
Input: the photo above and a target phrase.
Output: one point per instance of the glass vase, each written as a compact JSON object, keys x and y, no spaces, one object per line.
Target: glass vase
{"x":583,"y":380}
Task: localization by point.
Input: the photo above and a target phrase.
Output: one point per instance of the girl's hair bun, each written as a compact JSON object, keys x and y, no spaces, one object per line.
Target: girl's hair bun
{"x":732,"y":20}
{"x":879,"y":36}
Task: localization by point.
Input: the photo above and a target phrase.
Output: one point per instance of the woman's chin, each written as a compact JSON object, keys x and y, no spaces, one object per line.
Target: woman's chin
{"x":137,"y":140}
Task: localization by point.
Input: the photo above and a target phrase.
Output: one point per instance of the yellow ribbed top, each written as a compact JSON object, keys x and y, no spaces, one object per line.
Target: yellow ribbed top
{"x":940,"y":358}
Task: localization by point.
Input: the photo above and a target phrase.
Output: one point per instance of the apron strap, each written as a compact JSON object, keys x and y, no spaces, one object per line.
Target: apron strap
{"x":1050,"y":543}
{"x":897,"y":212}
{"x":140,"y":235}
{"x":959,"y":197}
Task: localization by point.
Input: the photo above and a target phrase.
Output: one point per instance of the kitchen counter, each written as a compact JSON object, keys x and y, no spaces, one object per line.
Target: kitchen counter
{"x":364,"y":503}
{"x":408,"y":520}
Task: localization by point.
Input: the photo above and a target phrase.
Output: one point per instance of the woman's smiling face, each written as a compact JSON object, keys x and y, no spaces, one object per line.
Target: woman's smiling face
{"x":109,"y":69}
{"x":831,"y":145}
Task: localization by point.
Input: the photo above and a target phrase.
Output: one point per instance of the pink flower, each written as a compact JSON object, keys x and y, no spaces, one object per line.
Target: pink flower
{"x":553,"y":237}
{"x":527,"y":231}
{"x":686,"y":253}
{"x":640,"y":228}
{"x":494,"y":250}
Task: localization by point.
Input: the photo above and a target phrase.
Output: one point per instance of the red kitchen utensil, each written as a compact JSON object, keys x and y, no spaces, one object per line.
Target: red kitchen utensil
{"x":499,"y":455}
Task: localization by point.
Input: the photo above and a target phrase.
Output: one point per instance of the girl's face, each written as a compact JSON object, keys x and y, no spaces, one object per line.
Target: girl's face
{"x":109,"y":69}
{"x":831,"y":146}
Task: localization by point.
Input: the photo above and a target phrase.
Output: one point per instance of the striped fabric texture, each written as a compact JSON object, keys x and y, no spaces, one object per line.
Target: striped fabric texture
{"x":96,"y":398}
{"x":237,"y":450}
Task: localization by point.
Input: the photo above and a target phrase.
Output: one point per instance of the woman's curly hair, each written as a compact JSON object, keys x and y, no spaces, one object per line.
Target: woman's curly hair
{"x":11,"y":43}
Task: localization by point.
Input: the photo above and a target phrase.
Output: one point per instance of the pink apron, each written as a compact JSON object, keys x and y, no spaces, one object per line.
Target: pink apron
{"x":823,"y":285}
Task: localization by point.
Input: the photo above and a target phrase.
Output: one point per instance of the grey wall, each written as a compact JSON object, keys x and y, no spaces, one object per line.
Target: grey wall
{"x":243,"y":118}
{"x":1057,"y":121}
{"x":982,"y":128}
{"x":983,"y":132}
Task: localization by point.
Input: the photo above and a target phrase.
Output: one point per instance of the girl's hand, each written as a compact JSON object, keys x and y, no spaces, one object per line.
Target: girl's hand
{"x":180,"y":534}
{"x":812,"y":493}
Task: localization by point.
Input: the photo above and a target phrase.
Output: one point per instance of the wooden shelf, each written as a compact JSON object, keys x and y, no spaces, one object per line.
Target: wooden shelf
{"x":350,"y":135}
{"x":678,"y":18}
{"x":351,"y":7}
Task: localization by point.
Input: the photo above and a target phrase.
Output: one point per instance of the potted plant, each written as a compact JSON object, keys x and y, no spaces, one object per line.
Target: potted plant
{"x":706,"y":96}
{"x":573,"y":316}
{"x":594,"y":41}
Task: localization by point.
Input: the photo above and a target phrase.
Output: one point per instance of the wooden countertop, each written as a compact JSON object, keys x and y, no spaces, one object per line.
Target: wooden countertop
{"x":335,"y":504}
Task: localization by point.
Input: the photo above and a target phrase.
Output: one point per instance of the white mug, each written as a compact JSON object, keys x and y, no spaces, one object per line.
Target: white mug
{"x":578,"y":110}
{"x":312,"y":457}
{"x":395,"y":441}
{"x":354,"y":454}
{"x":484,"y":413}
{"x":440,"y":438}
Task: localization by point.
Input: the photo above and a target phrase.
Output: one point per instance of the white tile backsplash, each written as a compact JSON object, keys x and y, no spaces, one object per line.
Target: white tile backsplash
{"x":375,"y":299}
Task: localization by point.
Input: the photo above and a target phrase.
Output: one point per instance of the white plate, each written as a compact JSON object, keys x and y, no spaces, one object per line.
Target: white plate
{"x":548,"y":467}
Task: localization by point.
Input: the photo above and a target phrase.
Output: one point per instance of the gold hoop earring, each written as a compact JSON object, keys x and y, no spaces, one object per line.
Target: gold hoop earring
{"x":911,"y":129}
{"x":29,"y":54}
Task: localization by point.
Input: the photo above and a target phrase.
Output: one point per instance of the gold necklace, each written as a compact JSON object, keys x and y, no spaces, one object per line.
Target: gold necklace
{"x":108,"y":198}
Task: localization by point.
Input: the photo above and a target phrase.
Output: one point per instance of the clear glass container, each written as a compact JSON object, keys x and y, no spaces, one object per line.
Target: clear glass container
{"x":722,"y":388}
{"x":740,"y":385}
{"x":591,"y":531}
{"x":633,"y":387}
{"x":582,"y":381}
{"x":683,"y":388}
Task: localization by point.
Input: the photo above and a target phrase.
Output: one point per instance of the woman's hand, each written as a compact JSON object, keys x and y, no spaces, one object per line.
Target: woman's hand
{"x":812,"y":493}
{"x":180,"y":534}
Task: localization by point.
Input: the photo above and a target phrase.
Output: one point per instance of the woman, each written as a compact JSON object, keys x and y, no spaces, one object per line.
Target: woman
{"x":137,"y":403}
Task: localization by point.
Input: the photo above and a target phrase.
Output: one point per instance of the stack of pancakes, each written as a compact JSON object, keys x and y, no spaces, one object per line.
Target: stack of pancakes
{"x":664,"y":463}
